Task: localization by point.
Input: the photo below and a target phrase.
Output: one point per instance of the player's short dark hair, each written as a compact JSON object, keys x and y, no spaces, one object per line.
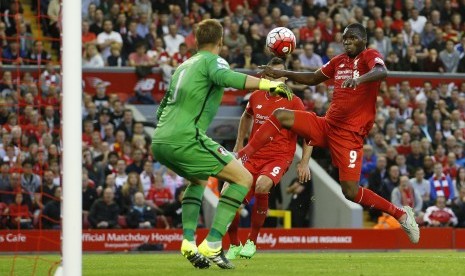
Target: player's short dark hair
{"x":276,"y":61}
{"x":360,"y":28}
{"x":209,"y":31}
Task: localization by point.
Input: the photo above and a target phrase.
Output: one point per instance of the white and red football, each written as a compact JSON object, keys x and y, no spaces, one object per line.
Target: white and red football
{"x":281,"y":41}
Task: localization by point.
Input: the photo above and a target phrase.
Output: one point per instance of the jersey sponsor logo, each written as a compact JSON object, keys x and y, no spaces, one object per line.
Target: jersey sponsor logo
{"x":259,"y":106}
{"x":260,"y":119}
{"x":343,"y":74}
{"x":223,"y":151}
{"x":222,"y":64}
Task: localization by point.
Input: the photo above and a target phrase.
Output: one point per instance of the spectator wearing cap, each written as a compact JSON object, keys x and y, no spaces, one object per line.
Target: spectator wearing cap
{"x":104,"y":212}
{"x":108,"y":37}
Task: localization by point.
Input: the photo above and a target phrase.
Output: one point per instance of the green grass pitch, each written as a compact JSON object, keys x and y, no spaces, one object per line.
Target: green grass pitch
{"x":278,"y":263}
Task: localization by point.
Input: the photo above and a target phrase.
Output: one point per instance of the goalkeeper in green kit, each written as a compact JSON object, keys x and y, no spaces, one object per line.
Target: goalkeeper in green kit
{"x":180,"y":141}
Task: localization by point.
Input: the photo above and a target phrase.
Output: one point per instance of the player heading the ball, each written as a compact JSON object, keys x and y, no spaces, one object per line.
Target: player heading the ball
{"x":357,"y":74}
{"x":180,"y":141}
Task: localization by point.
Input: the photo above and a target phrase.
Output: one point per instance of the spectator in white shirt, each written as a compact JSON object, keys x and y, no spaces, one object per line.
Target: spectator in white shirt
{"x":172,"y":181}
{"x":417,"y":21}
{"x":147,"y":177}
{"x":173,"y":40}
{"x":309,"y":59}
{"x":421,"y":185}
{"x":108,"y":37}
{"x":120,"y":177}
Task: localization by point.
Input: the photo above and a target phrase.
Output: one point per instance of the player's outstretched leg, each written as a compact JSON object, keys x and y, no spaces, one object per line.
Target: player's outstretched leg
{"x":368,"y":198}
{"x":190,"y":252}
{"x":409,"y":224}
{"x":235,"y":245}
{"x":281,"y":118}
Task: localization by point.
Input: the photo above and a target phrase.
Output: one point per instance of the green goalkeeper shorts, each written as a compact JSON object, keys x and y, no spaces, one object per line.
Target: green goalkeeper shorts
{"x":200,"y":159}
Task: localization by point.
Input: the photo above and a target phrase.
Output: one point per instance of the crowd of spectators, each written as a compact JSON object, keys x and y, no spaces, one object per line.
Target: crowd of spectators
{"x":18,"y":46}
{"x":414,"y":154}
{"x":410,"y":35}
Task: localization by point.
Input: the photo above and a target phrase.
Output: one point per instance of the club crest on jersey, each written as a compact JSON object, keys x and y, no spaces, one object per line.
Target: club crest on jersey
{"x":355,"y":63}
{"x":223,"y":151}
{"x":259,"y":106}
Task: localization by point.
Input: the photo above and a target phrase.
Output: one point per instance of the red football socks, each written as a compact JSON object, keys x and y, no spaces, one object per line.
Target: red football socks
{"x":232,"y":230}
{"x":263,"y":135}
{"x":368,"y":198}
{"x":259,"y":213}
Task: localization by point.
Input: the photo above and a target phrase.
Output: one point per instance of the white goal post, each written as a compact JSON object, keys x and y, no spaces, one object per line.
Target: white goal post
{"x":72,"y":143}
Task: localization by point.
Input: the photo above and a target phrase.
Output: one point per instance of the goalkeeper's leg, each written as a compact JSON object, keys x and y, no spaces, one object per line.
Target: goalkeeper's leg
{"x":231,"y":198}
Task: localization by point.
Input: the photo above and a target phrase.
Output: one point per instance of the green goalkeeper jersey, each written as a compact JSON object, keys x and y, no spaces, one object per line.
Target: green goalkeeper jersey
{"x":193,"y":98}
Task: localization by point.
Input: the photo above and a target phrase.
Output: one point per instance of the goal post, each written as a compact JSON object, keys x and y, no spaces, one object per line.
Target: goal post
{"x":72,"y":143}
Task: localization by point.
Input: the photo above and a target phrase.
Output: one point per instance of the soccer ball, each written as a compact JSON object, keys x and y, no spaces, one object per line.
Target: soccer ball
{"x":280,"y":41}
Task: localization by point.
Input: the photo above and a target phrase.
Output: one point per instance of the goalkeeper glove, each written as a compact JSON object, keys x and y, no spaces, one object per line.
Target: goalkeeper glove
{"x":276,"y":88}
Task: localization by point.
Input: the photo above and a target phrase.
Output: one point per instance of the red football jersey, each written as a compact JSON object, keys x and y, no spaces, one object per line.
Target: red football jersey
{"x":260,"y":106}
{"x":353,"y":109}
{"x":159,"y":196}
